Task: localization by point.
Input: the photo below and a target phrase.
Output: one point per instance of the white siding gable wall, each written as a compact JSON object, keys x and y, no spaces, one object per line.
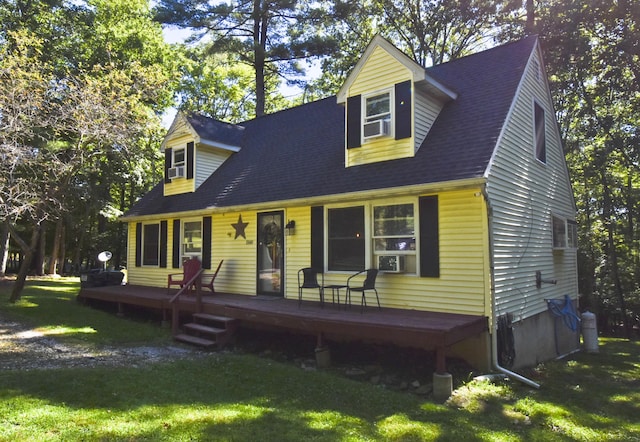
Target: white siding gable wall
{"x":426,"y":112}
{"x":207,"y":161}
{"x":523,"y":193}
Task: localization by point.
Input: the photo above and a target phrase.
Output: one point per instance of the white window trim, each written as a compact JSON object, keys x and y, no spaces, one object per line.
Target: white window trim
{"x":370,"y":255}
{"x":535,"y":135}
{"x":187,"y":255}
{"x":566,"y":221}
{"x":363,"y":119}
{"x":416,"y":233}
{"x":184,"y":156}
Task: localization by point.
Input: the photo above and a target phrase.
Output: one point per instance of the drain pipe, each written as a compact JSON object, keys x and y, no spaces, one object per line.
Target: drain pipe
{"x":494,"y":316}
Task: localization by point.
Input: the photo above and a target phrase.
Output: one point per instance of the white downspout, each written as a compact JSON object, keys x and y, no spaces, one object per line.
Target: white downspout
{"x":494,"y":316}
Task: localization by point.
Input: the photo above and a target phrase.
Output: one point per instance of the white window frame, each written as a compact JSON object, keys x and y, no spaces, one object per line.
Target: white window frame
{"x":388,"y":116}
{"x":536,"y":105}
{"x":409,"y":252}
{"x":569,"y":232}
{"x":192,"y":253}
{"x":174,"y":152}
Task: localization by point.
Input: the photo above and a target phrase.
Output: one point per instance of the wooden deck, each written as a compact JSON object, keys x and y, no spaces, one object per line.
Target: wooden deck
{"x":408,"y":328}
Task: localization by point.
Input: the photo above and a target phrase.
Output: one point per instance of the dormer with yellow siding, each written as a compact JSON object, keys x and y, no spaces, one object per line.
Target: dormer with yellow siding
{"x":195,"y":146}
{"x":391,"y":103}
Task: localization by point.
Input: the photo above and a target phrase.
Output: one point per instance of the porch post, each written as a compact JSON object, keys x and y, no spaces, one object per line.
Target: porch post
{"x":442,"y":381}
{"x":323,"y":355}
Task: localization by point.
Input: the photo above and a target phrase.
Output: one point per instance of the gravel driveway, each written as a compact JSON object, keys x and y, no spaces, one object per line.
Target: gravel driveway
{"x":23,"y":348}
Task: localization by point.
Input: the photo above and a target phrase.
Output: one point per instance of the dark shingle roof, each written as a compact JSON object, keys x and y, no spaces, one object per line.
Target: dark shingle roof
{"x":299,"y":152}
{"x":214,"y":130}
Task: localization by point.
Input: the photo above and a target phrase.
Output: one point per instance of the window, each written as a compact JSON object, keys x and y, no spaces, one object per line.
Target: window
{"x":540,"y":135}
{"x":377,"y":115}
{"x":192,"y":238}
{"x":178,"y":157}
{"x":346,"y":238}
{"x":151,"y":244}
{"x":394,"y":234}
{"x":565,"y":233}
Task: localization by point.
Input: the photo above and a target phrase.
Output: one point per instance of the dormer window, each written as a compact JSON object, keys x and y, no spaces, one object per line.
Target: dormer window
{"x":178,"y":163}
{"x":377,"y":115}
{"x":178,"y":157}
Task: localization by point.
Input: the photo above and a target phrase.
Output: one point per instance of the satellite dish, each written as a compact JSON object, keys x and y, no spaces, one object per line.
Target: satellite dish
{"x":104,"y":256}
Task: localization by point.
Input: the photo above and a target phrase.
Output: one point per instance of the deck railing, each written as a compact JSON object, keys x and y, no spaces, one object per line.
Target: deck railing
{"x":196,"y":281}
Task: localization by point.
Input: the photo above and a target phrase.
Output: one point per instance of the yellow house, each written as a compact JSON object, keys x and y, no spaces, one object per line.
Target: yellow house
{"x":449,"y":180}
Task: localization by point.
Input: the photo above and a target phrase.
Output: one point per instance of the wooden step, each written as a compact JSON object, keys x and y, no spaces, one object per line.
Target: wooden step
{"x":194,"y":340}
{"x":201,"y":328}
{"x":214,"y":318}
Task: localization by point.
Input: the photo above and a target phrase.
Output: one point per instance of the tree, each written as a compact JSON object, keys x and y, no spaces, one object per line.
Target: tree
{"x":270,"y":36}
{"x":430,"y":32}
{"x":591,"y":51}
{"x":77,"y":132}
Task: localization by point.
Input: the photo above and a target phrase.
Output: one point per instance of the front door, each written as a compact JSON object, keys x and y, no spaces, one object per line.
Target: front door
{"x":270,"y":253}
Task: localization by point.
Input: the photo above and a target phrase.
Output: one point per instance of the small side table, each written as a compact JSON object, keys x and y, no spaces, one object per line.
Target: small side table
{"x":335,"y":290}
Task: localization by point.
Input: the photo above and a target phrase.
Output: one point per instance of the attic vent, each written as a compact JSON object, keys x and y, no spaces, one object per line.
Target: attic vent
{"x":176,"y":172}
{"x":376,"y":128}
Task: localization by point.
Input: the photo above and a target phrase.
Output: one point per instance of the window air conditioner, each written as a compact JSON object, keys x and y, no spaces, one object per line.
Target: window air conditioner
{"x":176,"y":172}
{"x":376,"y":128}
{"x":391,"y":263}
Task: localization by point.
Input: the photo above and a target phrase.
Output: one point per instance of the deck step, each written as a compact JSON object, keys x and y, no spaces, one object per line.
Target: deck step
{"x":208,"y":330}
{"x":214,"y":318}
{"x":194,"y":340}
{"x":205,"y":329}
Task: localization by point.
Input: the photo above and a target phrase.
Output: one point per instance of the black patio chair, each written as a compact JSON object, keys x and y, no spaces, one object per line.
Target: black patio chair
{"x":368,"y":284}
{"x":308,"y":279}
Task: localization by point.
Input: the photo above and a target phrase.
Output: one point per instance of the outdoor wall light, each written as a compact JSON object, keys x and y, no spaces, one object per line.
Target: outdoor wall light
{"x":290,"y":228}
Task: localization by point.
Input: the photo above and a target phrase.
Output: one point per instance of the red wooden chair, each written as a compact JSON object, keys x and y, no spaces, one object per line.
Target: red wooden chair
{"x":190,"y":267}
{"x":206,"y":276}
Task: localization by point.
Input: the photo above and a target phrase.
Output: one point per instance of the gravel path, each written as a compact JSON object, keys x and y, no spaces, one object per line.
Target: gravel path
{"x":23,"y":348}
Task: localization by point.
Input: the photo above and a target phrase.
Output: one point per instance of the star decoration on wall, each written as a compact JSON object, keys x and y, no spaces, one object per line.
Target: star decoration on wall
{"x":239,"y":227}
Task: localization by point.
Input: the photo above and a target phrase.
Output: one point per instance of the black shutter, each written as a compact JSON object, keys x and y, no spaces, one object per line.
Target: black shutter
{"x":189,"y":160}
{"x":175,"y":261}
{"x":167,"y":164}
{"x":429,"y":242}
{"x":138,"y":244}
{"x":354,"y":122}
{"x":317,"y":237}
{"x":403,"y":110}
{"x":206,"y":242}
{"x":163,"y":243}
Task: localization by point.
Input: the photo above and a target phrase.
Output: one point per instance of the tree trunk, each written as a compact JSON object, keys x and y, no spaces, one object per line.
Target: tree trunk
{"x":259,"y":42}
{"x":4,"y":248}
{"x":55,"y":252}
{"x":39,"y":257}
{"x":29,"y":252}
{"x":607,"y":211}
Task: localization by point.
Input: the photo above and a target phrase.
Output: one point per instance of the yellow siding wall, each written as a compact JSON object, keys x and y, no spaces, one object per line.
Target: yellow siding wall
{"x":463,"y":285}
{"x":180,"y":185}
{"x":380,"y":72}
{"x":238,"y":273}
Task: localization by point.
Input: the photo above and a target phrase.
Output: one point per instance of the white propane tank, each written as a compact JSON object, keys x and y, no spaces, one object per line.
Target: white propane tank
{"x":589,"y":332}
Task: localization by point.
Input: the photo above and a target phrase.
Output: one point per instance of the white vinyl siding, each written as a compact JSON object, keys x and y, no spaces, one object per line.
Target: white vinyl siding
{"x":426,"y":111}
{"x":523,"y":194}
{"x":207,"y":161}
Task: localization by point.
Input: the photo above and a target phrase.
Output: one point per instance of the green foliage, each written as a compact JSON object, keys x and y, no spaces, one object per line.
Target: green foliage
{"x":595,"y":81}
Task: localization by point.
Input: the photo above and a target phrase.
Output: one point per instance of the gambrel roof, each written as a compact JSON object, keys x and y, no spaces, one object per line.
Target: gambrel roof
{"x":299,"y":153}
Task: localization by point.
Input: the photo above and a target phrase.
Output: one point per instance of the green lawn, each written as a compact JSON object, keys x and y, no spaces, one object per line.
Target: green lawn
{"x":227,"y":396}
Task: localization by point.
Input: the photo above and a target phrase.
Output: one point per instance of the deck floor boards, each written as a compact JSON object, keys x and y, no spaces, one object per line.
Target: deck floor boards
{"x":412,"y":328}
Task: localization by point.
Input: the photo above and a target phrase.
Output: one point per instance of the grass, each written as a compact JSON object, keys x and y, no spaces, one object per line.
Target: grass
{"x":241,"y":397}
